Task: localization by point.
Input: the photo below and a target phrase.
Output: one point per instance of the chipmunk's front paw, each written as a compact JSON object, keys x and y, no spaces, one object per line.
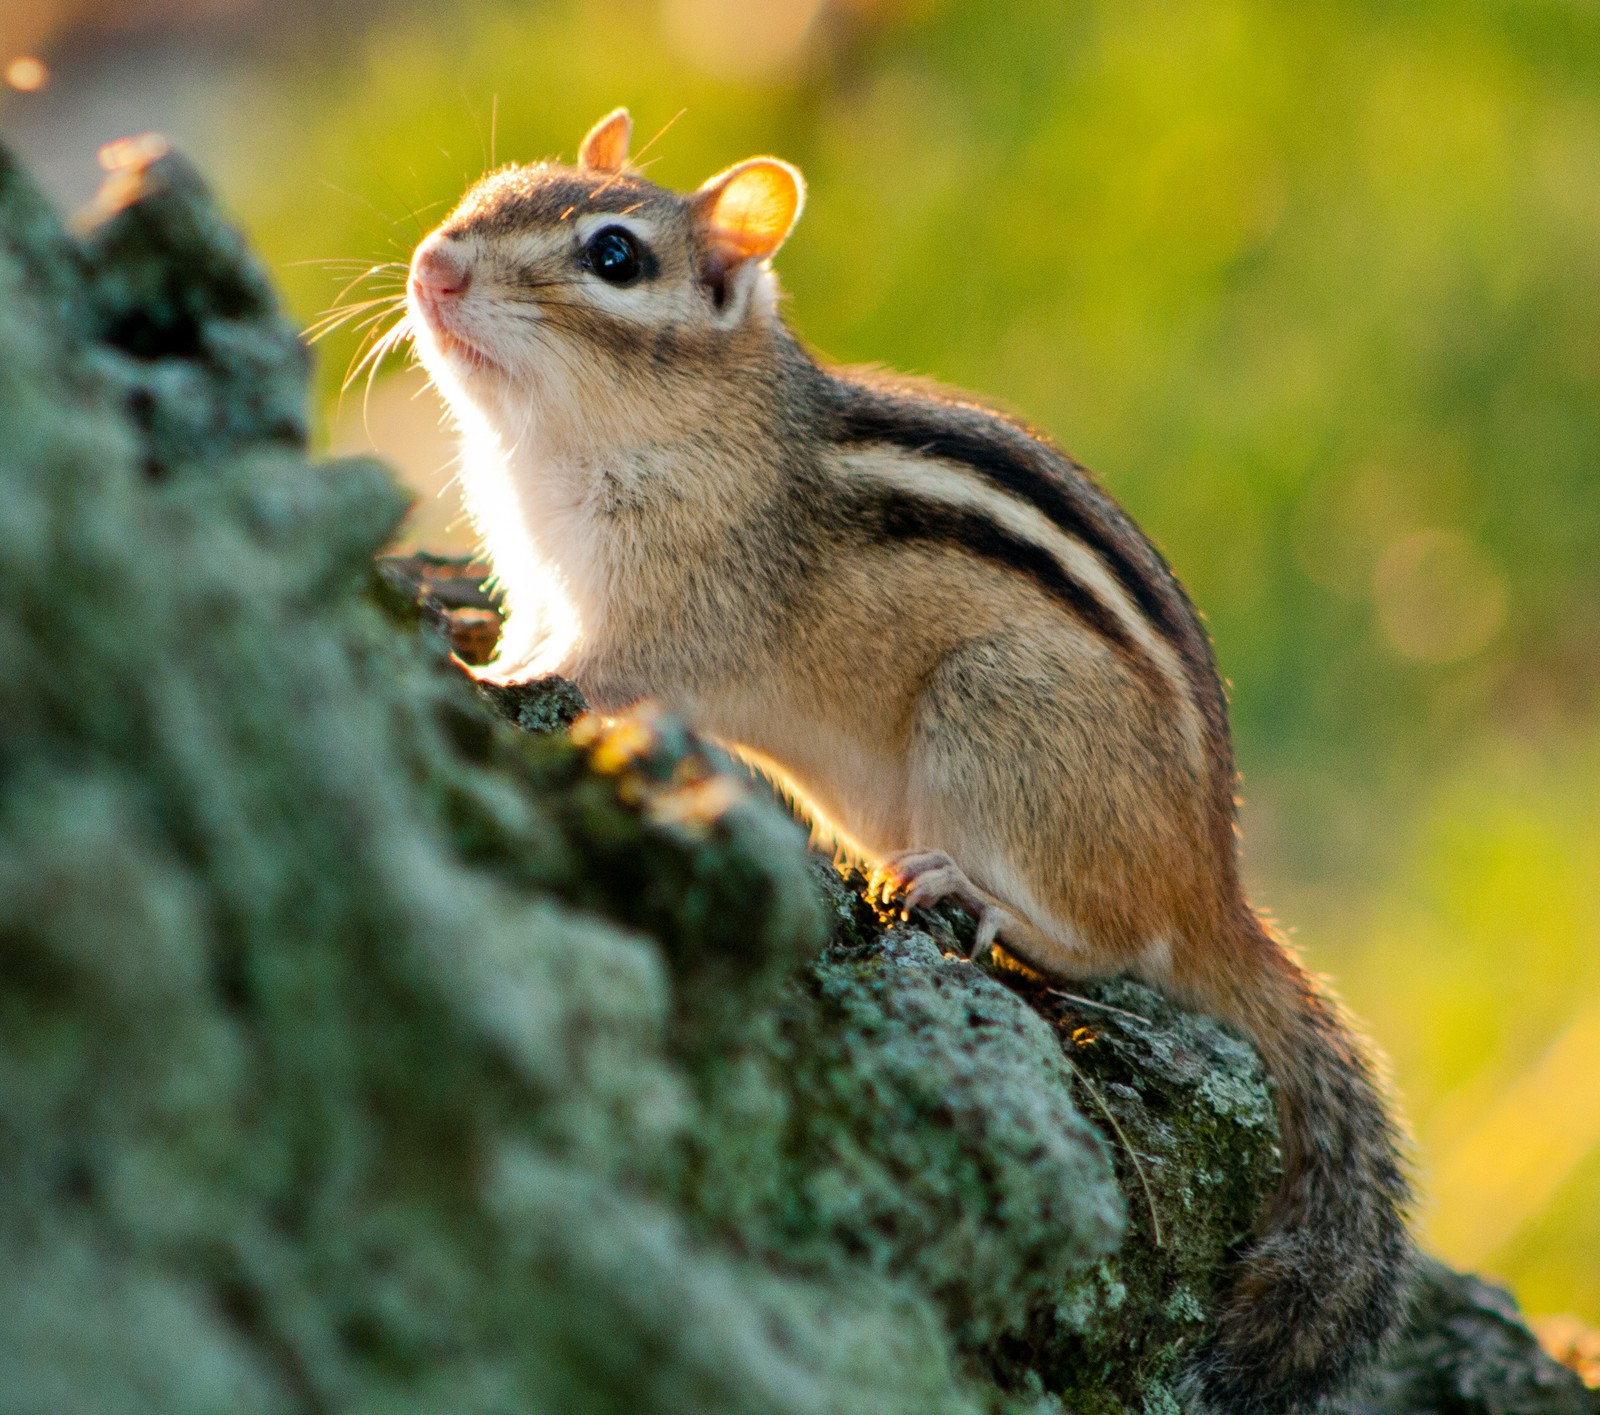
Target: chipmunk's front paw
{"x":498,"y":672}
{"x":928,"y":877}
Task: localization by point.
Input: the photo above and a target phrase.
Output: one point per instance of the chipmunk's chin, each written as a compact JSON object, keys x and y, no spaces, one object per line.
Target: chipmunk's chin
{"x":445,"y":349}
{"x":461,"y":356}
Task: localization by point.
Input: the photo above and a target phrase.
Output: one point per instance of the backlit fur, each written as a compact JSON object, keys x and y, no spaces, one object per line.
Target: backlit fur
{"x":968,"y":650}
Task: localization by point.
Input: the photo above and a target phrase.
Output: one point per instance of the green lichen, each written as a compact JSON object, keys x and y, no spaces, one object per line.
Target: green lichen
{"x":373,"y":1043}
{"x":1467,"y":1350}
{"x":907,"y":1113}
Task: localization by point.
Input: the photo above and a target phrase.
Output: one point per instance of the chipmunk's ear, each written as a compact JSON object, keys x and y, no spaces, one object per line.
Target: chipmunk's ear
{"x":606,"y":147}
{"x":744,"y":213}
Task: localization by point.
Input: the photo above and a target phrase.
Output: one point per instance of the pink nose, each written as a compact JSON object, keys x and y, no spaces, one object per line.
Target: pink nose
{"x":440,"y":267}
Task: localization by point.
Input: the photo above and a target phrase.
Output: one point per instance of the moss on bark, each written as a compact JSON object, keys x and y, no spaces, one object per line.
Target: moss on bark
{"x":372,"y":1043}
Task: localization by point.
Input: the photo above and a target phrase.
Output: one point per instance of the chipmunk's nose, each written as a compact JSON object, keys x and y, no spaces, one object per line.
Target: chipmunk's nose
{"x":440,"y":267}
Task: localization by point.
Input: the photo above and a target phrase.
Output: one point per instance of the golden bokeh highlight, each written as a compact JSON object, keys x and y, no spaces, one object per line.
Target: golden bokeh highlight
{"x":27,"y":74}
{"x":1440,"y":597}
{"x":738,"y":39}
{"x":1574,"y":1343}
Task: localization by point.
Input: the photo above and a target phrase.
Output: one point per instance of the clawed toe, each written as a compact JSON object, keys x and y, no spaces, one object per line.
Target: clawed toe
{"x":990,"y":921}
{"x":940,"y":882}
{"x":927,"y":877}
{"x":923,"y":877}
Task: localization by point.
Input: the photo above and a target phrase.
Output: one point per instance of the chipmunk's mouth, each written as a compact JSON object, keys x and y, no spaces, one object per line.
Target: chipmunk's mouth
{"x":461,"y":350}
{"x":454,"y":345}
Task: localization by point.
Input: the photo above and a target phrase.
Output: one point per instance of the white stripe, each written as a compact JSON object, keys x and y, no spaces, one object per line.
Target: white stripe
{"x":954,"y":485}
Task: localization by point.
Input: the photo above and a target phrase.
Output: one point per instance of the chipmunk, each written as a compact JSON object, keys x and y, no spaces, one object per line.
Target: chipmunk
{"x":934,"y":627}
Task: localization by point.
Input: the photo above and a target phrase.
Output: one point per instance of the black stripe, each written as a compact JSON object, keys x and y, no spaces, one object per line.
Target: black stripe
{"x":1016,"y":472}
{"x":888,"y":515}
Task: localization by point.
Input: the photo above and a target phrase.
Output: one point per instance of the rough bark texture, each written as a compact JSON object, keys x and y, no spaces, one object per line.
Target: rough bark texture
{"x":371,"y":1043}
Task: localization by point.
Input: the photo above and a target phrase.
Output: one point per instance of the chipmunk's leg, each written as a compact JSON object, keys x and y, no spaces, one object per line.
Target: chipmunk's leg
{"x":928,"y":877}
{"x":1026,"y":803}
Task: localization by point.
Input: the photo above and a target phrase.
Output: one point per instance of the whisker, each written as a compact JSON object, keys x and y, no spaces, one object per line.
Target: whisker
{"x":412,"y":212}
{"x":386,"y":345}
{"x":357,"y":279}
{"x":355,"y":307}
{"x":372,"y":321}
{"x":609,"y":182}
{"x":373,"y":336}
{"x":660,"y":133}
{"x":522,"y":287}
{"x":370,"y":326}
{"x":328,"y":324}
{"x":371,"y":361}
{"x":339,"y":312}
{"x":483,"y":147}
{"x":374,"y":355}
{"x":551,"y":298}
{"x":526,"y":297}
{"x":350,"y":263}
{"x":370,"y":205}
{"x":365,"y":313}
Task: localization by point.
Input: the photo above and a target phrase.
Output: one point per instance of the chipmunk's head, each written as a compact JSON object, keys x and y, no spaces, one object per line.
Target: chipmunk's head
{"x":586,"y":290}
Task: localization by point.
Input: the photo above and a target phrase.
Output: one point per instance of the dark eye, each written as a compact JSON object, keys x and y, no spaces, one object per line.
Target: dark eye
{"x":614,"y":256}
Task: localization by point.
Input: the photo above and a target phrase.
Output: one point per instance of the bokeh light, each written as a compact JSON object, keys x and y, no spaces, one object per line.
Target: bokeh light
{"x":27,"y":74}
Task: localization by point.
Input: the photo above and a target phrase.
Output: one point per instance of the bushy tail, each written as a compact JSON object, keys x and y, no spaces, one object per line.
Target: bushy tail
{"x":1325,"y":1280}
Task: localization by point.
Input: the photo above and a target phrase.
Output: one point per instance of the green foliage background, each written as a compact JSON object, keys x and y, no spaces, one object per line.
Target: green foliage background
{"x":1316,"y":289}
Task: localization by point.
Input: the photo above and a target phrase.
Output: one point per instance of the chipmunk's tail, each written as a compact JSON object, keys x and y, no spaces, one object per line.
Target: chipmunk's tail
{"x":1325,"y":1279}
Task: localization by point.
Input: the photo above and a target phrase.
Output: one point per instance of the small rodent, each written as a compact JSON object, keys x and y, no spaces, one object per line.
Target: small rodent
{"x":962,"y":656}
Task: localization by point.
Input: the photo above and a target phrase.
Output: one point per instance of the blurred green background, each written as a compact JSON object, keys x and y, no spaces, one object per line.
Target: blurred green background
{"x":1314,"y":287}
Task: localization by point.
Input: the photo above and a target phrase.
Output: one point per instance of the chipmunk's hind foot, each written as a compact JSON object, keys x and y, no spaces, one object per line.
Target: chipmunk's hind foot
{"x":928,"y":877}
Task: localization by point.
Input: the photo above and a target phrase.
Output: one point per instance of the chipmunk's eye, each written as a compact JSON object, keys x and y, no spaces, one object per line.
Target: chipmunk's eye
{"x":614,"y":256}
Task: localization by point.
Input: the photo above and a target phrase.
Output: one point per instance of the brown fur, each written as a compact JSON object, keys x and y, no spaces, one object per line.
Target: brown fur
{"x":940,"y":630}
